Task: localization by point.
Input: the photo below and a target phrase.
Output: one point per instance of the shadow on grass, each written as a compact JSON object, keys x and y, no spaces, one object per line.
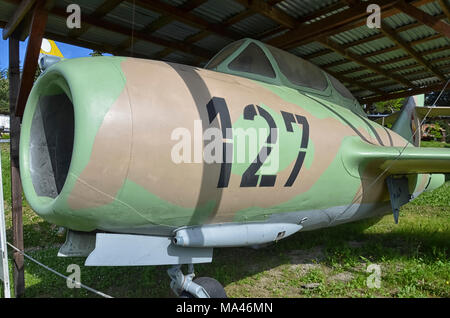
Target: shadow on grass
{"x":341,"y":244}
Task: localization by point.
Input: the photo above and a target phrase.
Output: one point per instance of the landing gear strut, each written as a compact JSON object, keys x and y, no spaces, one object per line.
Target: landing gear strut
{"x":185,"y":286}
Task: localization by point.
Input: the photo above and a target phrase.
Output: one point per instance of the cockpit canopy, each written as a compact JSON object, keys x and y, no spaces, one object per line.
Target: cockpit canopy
{"x":255,"y":60}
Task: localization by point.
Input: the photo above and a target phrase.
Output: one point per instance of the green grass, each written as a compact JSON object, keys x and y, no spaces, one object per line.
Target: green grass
{"x":436,"y":144}
{"x":412,"y":255}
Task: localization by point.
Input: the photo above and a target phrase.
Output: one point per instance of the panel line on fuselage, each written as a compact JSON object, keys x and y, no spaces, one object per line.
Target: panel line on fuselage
{"x":200,"y":93}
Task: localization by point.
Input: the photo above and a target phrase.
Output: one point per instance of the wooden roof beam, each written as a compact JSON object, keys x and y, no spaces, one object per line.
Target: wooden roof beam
{"x":358,"y":59}
{"x":38,"y":23}
{"x":106,"y":7}
{"x":374,"y":37}
{"x":159,"y":23}
{"x":271,"y":12}
{"x":274,"y":13}
{"x":21,"y":11}
{"x":90,"y":45}
{"x":186,"y":17}
{"x":390,"y":49}
{"x":396,"y":47}
{"x":342,"y":26}
{"x":404,"y":58}
{"x":311,"y":31}
{"x":399,"y":94}
{"x":191,"y":39}
{"x":166,"y":19}
{"x":356,"y":83}
{"x":178,"y":46}
{"x":423,"y":17}
{"x":445,"y":8}
{"x":394,"y":37}
{"x":204,"y":33}
{"x":421,"y":71}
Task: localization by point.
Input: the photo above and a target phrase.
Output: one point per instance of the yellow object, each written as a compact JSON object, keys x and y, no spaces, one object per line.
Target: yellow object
{"x":49,"y":47}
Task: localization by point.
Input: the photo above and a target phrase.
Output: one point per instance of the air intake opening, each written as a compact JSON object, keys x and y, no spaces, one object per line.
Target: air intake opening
{"x":51,"y":142}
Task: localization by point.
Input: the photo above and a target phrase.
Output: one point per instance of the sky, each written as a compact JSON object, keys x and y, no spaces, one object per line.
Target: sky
{"x":69,"y":51}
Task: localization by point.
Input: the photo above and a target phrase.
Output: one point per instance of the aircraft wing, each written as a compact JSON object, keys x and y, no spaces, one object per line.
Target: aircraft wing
{"x":437,"y":111}
{"x":397,"y":160}
{"x":385,"y":119}
{"x":49,"y":47}
{"x":49,"y":54}
{"x":422,"y":111}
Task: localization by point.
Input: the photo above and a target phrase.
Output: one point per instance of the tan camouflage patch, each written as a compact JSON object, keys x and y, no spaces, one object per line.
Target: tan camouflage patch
{"x":106,"y":170}
{"x":160,"y":98}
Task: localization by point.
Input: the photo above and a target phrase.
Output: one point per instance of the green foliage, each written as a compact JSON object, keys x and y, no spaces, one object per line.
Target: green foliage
{"x":390,"y":106}
{"x":96,"y":53}
{"x":435,"y":131}
{"x":431,"y":98}
{"x":4,"y":92}
{"x":435,"y":144}
{"x":438,"y":197}
{"x":4,"y":89}
{"x":445,"y":124}
{"x":330,"y":262}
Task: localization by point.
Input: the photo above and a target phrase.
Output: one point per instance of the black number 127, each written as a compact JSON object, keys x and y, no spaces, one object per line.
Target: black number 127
{"x":218,"y":107}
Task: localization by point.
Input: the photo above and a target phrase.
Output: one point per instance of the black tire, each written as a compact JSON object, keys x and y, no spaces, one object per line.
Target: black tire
{"x":185,"y":294}
{"x":212,"y":287}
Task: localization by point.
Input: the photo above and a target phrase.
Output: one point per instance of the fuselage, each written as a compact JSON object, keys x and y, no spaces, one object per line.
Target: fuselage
{"x":142,"y":134}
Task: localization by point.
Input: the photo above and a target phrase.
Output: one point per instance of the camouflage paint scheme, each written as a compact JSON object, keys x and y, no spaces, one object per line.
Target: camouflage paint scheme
{"x":122,"y":177}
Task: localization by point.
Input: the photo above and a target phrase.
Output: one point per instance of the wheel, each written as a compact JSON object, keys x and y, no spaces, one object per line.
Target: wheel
{"x":212,"y":287}
{"x":185,"y":294}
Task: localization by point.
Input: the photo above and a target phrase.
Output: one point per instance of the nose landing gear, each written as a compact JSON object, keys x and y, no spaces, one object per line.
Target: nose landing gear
{"x":185,"y":286}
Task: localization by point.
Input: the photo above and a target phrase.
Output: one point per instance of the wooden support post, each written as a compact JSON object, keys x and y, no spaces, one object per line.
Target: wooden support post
{"x":16,"y":185}
{"x":14,"y":22}
{"x":423,"y":17}
{"x":38,"y":23}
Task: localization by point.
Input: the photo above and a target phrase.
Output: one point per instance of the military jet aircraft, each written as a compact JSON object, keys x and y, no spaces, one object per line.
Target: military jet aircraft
{"x":155,"y":163}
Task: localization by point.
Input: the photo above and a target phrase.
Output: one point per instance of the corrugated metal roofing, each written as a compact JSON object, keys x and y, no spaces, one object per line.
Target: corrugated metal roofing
{"x":123,"y":15}
{"x":398,"y":20}
{"x":418,"y":33}
{"x":57,"y":25}
{"x":431,"y":8}
{"x":86,"y":6}
{"x":179,"y":57}
{"x":437,"y":55}
{"x":394,"y":66}
{"x":302,"y":8}
{"x":372,"y":46}
{"x":344,"y":67}
{"x":364,"y":72}
{"x":108,"y":37}
{"x":6,"y":10}
{"x":433,"y":44}
{"x":326,"y":59}
{"x":384,"y":57}
{"x":177,"y":28}
{"x":353,"y":35}
{"x":143,"y":47}
{"x":307,"y":49}
{"x":254,"y":25}
{"x":213,"y":43}
{"x":216,"y":11}
{"x":175,"y":3}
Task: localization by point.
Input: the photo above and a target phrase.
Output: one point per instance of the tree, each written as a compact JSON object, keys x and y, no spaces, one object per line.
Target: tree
{"x":4,"y":92}
{"x":4,"y":89}
{"x":444,"y":100}
{"x":96,"y":53}
{"x":388,"y":107}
